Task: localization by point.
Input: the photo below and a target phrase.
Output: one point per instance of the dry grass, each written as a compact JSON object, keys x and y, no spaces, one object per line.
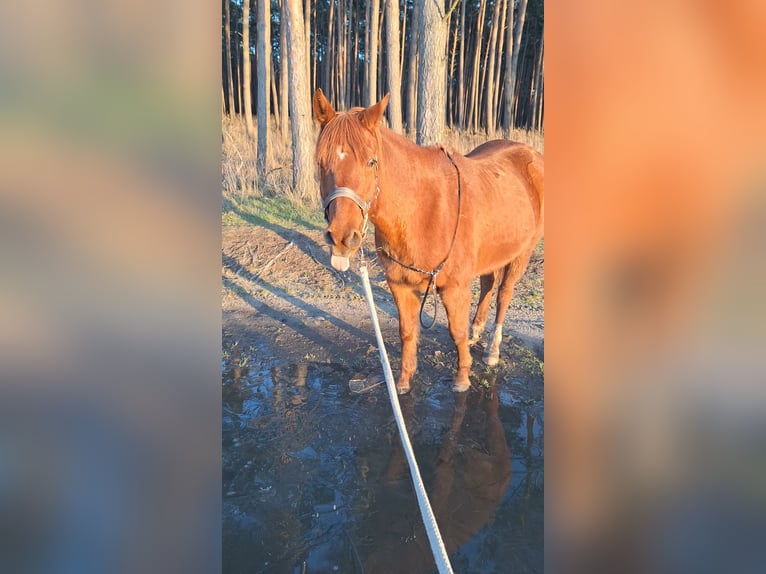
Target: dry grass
{"x":238,"y":157}
{"x":466,"y":141}
{"x":240,"y":180}
{"x":238,"y":164}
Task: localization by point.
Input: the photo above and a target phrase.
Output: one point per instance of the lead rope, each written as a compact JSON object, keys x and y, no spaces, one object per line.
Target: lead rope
{"x":429,"y":520}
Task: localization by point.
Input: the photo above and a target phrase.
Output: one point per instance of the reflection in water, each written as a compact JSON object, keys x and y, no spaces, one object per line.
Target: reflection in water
{"x":468,"y":480}
{"x":315,"y":478}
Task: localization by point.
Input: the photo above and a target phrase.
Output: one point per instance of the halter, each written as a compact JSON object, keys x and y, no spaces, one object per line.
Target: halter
{"x":349,"y":193}
{"x":365,"y":206}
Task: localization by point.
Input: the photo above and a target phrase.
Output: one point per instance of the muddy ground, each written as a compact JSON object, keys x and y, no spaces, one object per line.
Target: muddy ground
{"x":278,"y":287}
{"x":314,"y":477}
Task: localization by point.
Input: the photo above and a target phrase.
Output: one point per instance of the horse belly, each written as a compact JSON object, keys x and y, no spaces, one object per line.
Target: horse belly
{"x":500,"y":241}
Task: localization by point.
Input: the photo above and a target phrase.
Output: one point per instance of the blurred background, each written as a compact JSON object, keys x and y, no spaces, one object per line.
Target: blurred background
{"x":110,"y":286}
{"x":109,"y":290}
{"x":654,"y":287}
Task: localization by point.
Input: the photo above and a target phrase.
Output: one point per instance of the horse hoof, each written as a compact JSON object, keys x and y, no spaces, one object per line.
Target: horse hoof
{"x":492,"y":360}
{"x":461,"y":387}
{"x":403,"y":390}
{"x":461,"y":383}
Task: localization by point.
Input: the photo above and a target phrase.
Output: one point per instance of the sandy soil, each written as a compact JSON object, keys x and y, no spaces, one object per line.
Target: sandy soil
{"x":279,"y":295}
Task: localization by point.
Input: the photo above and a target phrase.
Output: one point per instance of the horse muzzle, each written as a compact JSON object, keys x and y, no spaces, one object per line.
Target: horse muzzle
{"x":341,"y":250}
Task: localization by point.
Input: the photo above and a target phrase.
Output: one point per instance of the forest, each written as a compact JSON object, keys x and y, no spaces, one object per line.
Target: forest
{"x":452,"y":67}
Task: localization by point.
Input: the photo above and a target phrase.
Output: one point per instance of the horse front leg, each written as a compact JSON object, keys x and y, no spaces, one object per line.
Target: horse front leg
{"x":407,"y":300}
{"x":457,"y":302}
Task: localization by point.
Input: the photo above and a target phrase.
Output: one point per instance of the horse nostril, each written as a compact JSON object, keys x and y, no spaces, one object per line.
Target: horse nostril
{"x":353,"y":240}
{"x":328,"y":238}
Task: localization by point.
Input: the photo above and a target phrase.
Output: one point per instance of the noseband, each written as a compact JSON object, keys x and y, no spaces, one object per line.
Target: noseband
{"x":349,"y":193}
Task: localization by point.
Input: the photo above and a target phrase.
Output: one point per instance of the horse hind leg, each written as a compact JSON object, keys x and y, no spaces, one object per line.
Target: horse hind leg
{"x":482,"y":309}
{"x":510,"y":275}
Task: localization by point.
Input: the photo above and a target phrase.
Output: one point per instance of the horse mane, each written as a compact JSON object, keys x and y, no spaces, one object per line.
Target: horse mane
{"x":347,"y":131}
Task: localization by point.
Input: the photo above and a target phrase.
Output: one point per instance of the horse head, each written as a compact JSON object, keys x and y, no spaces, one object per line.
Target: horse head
{"x":347,"y":159}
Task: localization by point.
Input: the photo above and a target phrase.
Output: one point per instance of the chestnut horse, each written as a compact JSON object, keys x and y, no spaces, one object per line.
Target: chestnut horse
{"x":440,"y":220}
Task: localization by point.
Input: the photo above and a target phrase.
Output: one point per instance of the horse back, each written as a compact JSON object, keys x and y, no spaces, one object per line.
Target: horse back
{"x":525,"y":162}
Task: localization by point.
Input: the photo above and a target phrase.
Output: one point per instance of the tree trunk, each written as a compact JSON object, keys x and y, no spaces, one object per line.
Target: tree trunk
{"x":461,"y":72}
{"x":382,"y":73}
{"x":275,"y":101}
{"x":432,"y":68}
{"x":507,"y":87}
{"x":263,"y":85}
{"x":512,"y":69}
{"x":247,"y":99}
{"x":227,"y":38}
{"x":238,"y":82}
{"x":367,"y":44}
{"x":284,"y":109}
{"x":483,"y":84}
{"x":307,"y":37}
{"x":518,"y":103}
{"x":342,"y":74}
{"x":489,"y":94}
{"x":329,"y":53}
{"x":313,"y":58}
{"x":352,"y":83}
{"x":403,"y":41}
{"x":354,"y":96}
{"x":451,"y":74}
{"x":394,"y":77}
{"x":412,"y":73}
{"x":499,"y":63}
{"x":358,"y":68}
{"x":473,"y":109}
{"x":374,"y":25}
{"x":300,"y":115}
{"x":539,"y":86}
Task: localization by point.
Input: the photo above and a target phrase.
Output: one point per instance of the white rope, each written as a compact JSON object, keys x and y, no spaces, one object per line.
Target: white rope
{"x":429,"y":520}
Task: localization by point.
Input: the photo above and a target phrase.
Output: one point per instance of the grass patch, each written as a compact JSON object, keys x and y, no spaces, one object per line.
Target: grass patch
{"x":526,"y":363}
{"x":269,"y":212}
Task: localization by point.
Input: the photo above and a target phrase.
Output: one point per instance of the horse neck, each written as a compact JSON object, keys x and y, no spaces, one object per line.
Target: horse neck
{"x":399,"y":183}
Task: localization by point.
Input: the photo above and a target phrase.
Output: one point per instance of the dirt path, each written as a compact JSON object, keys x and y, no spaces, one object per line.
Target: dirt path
{"x":280,"y":296}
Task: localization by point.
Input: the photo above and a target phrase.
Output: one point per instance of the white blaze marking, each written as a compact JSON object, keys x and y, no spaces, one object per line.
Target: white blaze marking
{"x":341,"y":153}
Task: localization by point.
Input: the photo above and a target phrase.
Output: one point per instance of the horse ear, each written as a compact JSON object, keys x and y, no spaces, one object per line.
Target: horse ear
{"x":370,"y":117}
{"x":323,"y":110}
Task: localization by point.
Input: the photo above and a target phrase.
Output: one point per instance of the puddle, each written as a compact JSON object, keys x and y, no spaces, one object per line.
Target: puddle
{"x":315,"y":479}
